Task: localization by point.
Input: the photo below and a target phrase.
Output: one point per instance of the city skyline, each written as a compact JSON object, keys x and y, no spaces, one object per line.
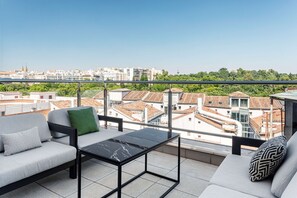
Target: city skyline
{"x":171,"y":35}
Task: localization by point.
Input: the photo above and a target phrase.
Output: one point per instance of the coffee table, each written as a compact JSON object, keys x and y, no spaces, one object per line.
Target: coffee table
{"x":123,"y":149}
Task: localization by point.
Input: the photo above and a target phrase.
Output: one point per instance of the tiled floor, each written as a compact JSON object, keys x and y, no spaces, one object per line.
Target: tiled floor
{"x":99,"y":178}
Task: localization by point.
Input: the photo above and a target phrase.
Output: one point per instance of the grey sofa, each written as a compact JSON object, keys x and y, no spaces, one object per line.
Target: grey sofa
{"x":61,"y":117}
{"x":231,"y":180}
{"x":28,"y":166}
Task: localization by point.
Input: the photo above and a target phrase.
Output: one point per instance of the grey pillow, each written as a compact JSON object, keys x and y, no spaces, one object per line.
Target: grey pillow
{"x":21,"y":141}
{"x":268,"y":158}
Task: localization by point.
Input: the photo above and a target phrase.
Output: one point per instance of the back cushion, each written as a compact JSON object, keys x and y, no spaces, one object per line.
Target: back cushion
{"x":61,"y":117}
{"x":17,"y":123}
{"x":287,"y":170}
{"x":291,"y":190}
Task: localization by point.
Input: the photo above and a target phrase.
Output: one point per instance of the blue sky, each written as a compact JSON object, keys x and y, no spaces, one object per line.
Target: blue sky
{"x":177,"y":35}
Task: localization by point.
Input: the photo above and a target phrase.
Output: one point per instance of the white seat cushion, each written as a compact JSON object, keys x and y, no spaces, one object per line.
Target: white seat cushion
{"x":19,"y":166}
{"x":214,"y":191}
{"x":233,"y":173}
{"x":92,"y":138}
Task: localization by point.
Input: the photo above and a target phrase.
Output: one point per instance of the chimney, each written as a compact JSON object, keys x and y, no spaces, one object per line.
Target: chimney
{"x":72,"y":102}
{"x":199,"y":104}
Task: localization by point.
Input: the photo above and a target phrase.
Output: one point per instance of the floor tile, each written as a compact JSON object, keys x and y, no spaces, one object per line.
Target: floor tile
{"x":31,"y":191}
{"x":178,"y":194}
{"x":190,"y":185}
{"x":111,"y":180}
{"x":61,"y":184}
{"x":163,"y":160}
{"x":157,"y":170}
{"x":155,"y":190}
{"x":94,"y":171}
{"x":197,"y":169}
{"x":133,"y":168}
{"x":137,"y":187}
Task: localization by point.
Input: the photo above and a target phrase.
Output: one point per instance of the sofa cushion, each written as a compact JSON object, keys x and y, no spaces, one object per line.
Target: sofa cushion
{"x":214,"y":191}
{"x":291,"y":190}
{"x":83,"y":120}
{"x":21,"y":141}
{"x":287,"y":170}
{"x":61,"y":117}
{"x":233,"y":173}
{"x":268,"y":158}
{"x":19,"y":166}
{"x":16,"y":123}
{"x":92,"y":138}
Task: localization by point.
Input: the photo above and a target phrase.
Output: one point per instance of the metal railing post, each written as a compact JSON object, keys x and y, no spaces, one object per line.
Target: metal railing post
{"x":169,"y":109}
{"x":78,"y":97}
{"x":105,"y":103}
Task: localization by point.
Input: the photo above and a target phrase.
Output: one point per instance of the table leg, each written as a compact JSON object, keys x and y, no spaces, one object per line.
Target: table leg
{"x":119,"y":181}
{"x":178,"y":161}
{"x":145,"y":162}
{"x":79,"y":176}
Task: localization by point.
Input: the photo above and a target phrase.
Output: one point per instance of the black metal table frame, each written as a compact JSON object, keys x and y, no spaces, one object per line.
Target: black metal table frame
{"x":119,"y":165}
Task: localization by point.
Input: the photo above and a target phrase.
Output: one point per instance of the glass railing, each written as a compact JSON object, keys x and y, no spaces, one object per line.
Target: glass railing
{"x":241,"y":108}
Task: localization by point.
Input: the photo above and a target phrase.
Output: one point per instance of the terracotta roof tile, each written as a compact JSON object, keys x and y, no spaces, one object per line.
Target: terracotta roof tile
{"x":99,"y":95}
{"x":190,"y":98}
{"x":217,"y":101}
{"x":154,"y":97}
{"x":130,"y":108}
{"x":263,"y":103}
{"x":238,"y":94}
{"x":174,"y":90}
{"x":61,"y":104}
{"x":209,"y":121}
{"x":135,"y":95}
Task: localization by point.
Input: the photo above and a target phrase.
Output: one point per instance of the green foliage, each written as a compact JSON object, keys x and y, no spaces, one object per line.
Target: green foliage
{"x":223,"y":74}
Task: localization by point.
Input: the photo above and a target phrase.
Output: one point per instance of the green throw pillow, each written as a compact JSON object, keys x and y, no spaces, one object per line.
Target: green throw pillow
{"x":83,"y":120}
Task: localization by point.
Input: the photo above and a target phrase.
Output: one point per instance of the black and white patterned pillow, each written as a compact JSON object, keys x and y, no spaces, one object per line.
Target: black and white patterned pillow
{"x":268,"y":158}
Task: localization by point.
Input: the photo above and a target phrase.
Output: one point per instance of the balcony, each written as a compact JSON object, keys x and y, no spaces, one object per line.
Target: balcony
{"x":202,"y":150}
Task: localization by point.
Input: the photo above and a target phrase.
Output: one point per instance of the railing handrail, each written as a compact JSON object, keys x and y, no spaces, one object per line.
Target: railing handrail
{"x":229,"y":82}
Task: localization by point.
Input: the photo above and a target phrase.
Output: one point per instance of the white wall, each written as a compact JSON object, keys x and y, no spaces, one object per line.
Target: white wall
{"x":10,"y":96}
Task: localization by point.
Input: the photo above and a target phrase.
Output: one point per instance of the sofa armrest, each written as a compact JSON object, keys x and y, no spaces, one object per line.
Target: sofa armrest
{"x":72,"y":132}
{"x":113,"y":119}
{"x":238,"y":141}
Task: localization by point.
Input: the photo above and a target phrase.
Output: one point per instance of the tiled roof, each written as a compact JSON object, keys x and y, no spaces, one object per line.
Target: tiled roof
{"x":43,"y":112}
{"x":263,"y":103}
{"x":190,"y":98}
{"x":84,"y":102}
{"x":154,"y":97}
{"x":99,"y":95}
{"x":120,"y":90}
{"x":238,"y":94}
{"x":217,"y":101}
{"x":209,"y":121}
{"x":174,"y":90}
{"x":135,"y":95}
{"x":129,"y":109}
{"x":185,"y":111}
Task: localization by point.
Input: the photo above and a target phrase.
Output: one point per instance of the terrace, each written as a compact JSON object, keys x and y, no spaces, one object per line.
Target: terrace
{"x":200,"y":157}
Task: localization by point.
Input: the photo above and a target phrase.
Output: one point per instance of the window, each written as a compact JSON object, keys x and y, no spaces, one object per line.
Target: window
{"x":243,"y":103}
{"x":190,"y":119}
{"x":190,"y":106}
{"x":116,"y":114}
{"x":199,"y":122}
{"x":251,"y":113}
{"x":228,"y":112}
{"x":16,"y":97}
{"x":234,"y":102}
{"x":216,"y":110}
{"x":179,"y":107}
{"x":174,"y":108}
{"x":220,"y":103}
{"x":161,"y":106}
{"x":50,"y":97}
{"x":40,"y":97}
{"x":110,"y":112}
{"x":209,"y":102}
